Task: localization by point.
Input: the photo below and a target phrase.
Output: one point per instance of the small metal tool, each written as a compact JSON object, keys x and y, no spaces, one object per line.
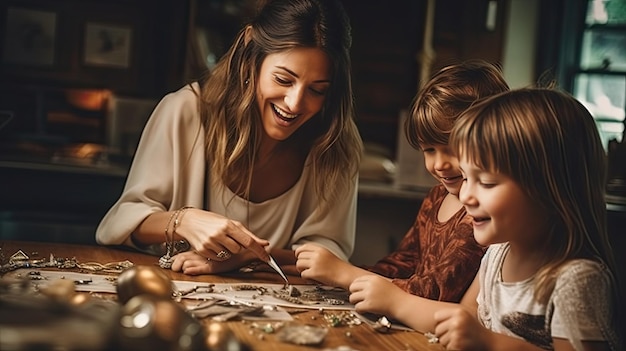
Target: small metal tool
{"x":275,"y":266}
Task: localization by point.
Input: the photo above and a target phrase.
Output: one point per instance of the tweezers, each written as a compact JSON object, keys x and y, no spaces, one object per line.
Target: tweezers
{"x":275,"y":266}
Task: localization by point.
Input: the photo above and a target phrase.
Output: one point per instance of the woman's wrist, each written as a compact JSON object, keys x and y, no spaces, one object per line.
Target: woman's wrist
{"x":178,"y":219}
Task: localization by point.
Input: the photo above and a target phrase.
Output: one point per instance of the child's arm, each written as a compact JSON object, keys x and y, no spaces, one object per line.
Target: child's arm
{"x":458,"y":328}
{"x":375,"y":294}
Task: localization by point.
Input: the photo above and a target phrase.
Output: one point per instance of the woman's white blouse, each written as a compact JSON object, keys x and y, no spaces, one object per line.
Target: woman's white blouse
{"x":168,"y":172}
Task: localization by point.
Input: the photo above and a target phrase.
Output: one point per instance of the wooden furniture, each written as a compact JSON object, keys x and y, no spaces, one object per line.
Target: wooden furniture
{"x":361,"y":337}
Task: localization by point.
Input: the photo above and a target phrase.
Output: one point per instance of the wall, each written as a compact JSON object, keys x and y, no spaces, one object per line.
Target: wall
{"x":133,"y":47}
{"x":387,"y":44}
{"x":518,"y":59}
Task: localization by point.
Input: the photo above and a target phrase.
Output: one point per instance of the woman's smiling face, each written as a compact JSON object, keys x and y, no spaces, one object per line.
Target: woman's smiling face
{"x":291,"y":89}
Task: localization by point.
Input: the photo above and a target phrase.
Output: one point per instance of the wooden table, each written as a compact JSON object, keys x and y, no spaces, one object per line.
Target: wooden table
{"x":361,"y":337}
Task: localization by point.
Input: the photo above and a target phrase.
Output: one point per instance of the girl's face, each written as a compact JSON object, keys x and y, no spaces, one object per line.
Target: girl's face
{"x":444,"y":166}
{"x":291,"y":89}
{"x":500,"y":208}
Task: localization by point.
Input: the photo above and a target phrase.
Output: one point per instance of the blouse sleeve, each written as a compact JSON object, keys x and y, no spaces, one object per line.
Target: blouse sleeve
{"x":333,"y":227}
{"x":167,"y":170}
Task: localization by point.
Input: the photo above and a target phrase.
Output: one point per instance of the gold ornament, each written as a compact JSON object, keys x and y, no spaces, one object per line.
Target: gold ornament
{"x":144,"y":280}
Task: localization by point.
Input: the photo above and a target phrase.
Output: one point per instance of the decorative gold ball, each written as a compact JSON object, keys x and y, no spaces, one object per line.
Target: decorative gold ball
{"x":150,"y":323}
{"x":219,"y":337}
{"x":144,"y":280}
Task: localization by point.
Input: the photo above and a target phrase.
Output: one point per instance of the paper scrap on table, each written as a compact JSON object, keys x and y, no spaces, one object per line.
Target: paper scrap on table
{"x":99,"y":283}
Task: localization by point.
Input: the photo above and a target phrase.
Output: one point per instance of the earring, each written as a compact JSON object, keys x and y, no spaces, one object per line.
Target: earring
{"x":247,"y":81}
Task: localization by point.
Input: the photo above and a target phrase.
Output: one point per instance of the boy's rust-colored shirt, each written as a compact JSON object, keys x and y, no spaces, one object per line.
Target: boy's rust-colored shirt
{"x":434,"y":260}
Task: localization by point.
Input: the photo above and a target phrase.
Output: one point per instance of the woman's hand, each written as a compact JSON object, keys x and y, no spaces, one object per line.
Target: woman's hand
{"x":319,"y":264}
{"x":218,"y":238}
{"x":375,"y":294}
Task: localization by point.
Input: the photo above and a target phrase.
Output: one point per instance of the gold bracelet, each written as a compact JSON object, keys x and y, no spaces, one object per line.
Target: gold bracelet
{"x":165,"y":260}
{"x":167,"y":230}
{"x":179,"y":218}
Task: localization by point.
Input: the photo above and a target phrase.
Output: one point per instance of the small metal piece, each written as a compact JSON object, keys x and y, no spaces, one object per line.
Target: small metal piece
{"x":432,"y":338}
{"x":18,"y":256}
{"x":382,"y":325}
{"x":165,"y":261}
{"x":223,"y":255}
{"x":83,"y":281}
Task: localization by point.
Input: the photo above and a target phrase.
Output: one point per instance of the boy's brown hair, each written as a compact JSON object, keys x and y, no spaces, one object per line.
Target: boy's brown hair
{"x":447,"y":94}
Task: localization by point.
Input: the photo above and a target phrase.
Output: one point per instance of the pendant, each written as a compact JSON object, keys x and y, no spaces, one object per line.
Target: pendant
{"x":165,"y":261}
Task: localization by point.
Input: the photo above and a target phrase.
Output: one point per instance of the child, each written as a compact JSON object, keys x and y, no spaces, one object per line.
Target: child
{"x":535,"y":173}
{"x":438,"y":257}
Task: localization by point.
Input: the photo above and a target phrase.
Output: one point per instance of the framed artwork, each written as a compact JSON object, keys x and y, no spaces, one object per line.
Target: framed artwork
{"x":30,"y":37}
{"x":107,"y":45}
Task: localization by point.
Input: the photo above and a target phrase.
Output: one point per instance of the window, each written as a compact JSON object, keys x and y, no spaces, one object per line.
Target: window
{"x":599,"y":80}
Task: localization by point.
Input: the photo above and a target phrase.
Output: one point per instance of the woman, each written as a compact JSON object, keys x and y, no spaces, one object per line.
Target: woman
{"x":262,"y":155}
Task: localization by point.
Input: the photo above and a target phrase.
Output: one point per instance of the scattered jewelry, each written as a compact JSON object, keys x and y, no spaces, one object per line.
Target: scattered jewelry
{"x":83,"y":281}
{"x":248,"y":287}
{"x":20,"y":260}
{"x":35,"y":276}
{"x":204,"y":288}
{"x":112,"y":267}
{"x":314,"y":296}
{"x":165,"y":261}
{"x":342,"y":318}
{"x":267,"y":328}
{"x":432,"y":338}
{"x":222,"y":310}
{"x":18,"y":257}
{"x":300,"y":334}
{"x":382,"y":325}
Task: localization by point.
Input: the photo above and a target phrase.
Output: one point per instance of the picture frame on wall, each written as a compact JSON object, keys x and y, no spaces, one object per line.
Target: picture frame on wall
{"x":108,"y":45}
{"x":30,"y":37}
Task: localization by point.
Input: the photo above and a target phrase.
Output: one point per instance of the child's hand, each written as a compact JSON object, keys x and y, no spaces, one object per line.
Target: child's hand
{"x":317,"y":263}
{"x":375,"y":294}
{"x":192,"y":263}
{"x":457,"y":329}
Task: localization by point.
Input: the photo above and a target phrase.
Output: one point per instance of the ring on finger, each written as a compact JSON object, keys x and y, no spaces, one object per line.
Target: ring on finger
{"x":223,"y":255}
